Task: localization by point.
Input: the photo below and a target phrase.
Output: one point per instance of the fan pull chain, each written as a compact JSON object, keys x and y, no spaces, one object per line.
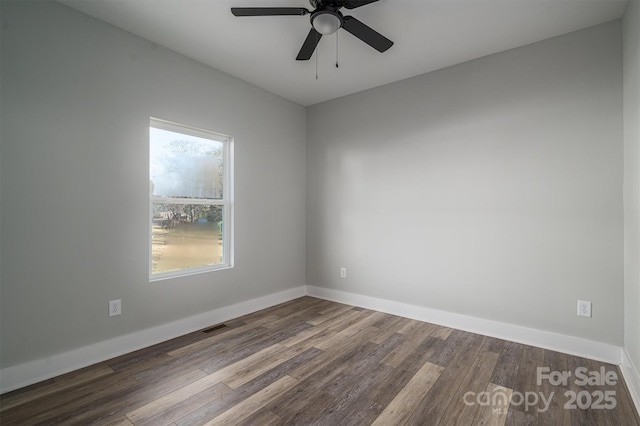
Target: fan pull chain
{"x":317,"y":55}
{"x":337,"y":66}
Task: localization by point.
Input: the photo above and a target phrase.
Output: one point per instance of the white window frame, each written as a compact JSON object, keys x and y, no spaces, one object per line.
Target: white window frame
{"x":226,"y":202}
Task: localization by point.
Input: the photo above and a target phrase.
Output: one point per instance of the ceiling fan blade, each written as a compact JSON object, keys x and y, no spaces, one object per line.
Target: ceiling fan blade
{"x":269,"y":11}
{"x":309,"y":45}
{"x":366,"y":34}
{"x":352,"y":4}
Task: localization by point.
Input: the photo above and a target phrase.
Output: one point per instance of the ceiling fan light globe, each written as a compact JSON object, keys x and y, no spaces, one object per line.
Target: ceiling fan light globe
{"x":326,"y":23}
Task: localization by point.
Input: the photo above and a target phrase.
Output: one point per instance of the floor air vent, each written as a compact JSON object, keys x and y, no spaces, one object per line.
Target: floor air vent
{"x":214,"y":328}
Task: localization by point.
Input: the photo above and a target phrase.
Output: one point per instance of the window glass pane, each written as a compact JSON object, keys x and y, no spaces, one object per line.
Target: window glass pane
{"x":186,"y":236}
{"x":185,"y":166}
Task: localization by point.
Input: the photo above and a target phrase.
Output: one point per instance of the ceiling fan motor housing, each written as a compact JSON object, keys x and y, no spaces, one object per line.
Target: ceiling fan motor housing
{"x":319,"y":3}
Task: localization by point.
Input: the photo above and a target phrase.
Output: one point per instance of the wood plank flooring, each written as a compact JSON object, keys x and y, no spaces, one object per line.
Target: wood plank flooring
{"x":315,"y":362}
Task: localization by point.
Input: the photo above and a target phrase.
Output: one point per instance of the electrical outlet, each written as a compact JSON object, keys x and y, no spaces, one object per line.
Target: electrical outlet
{"x":343,"y":272}
{"x":115,"y":307}
{"x":584,"y":309}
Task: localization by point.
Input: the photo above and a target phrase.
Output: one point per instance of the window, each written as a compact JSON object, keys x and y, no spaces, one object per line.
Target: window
{"x":190,"y":200}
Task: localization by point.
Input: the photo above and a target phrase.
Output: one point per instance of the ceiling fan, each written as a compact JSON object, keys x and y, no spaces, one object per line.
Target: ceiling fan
{"x":325,"y":19}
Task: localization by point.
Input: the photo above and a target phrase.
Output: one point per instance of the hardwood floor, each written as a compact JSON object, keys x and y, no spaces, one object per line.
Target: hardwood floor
{"x":311,"y":361}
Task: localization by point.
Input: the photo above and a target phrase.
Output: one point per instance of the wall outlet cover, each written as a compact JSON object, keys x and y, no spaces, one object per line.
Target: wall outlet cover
{"x":584,"y":308}
{"x":115,"y":307}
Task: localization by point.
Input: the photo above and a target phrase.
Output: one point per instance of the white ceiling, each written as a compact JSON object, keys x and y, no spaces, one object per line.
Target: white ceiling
{"x":428,"y":35}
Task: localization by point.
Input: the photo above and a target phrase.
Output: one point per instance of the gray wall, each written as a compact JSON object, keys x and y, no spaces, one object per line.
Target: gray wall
{"x":631,"y":72}
{"x":491,"y":188}
{"x":77,"y":95}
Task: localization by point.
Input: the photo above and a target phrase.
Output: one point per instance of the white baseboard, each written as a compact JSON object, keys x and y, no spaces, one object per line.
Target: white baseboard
{"x":544,"y":339}
{"x":31,"y":372}
{"x":631,"y":377}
